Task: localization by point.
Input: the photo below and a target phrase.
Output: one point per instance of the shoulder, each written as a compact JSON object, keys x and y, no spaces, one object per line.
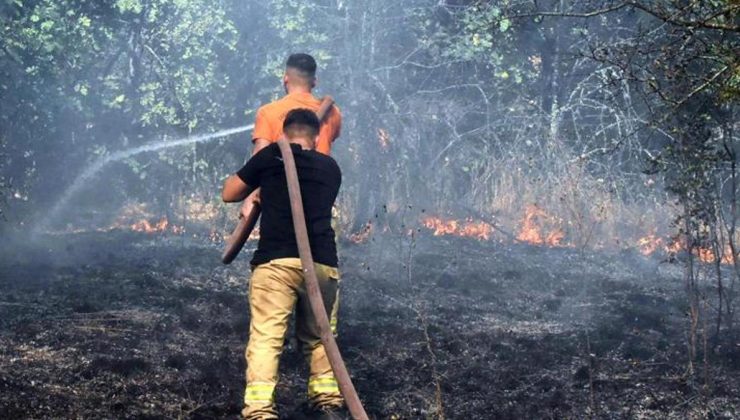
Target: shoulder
{"x":267,"y":153}
{"x":274,"y":109}
{"x":268,"y":110}
{"x":327,"y":162}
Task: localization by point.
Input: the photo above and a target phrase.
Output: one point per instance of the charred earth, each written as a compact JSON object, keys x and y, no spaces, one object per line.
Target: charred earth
{"x":133,"y":325}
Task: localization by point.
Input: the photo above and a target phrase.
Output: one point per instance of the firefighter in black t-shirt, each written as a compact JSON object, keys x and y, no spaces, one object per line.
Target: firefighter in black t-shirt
{"x":277,"y":284}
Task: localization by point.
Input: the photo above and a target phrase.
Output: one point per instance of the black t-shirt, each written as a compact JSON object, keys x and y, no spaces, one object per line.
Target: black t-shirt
{"x":319,"y":177}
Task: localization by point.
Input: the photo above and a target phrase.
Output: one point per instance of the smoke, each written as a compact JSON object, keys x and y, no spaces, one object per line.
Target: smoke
{"x":451,"y":113}
{"x":87,"y":174}
{"x":453,"y":118}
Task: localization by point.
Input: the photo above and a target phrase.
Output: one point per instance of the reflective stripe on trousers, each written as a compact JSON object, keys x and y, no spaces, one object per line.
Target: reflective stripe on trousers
{"x":259,"y":393}
{"x":322,"y":384}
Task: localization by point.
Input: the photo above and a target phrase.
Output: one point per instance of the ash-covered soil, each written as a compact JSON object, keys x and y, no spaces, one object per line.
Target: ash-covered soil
{"x":127,"y":325}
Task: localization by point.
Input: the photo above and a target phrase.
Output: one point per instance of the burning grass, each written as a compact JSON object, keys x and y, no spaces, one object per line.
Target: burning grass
{"x":655,"y":245}
{"x":535,"y":225}
{"x":538,"y":227}
{"x":463,"y":228}
{"x":163,"y":225}
{"x":532,"y":231}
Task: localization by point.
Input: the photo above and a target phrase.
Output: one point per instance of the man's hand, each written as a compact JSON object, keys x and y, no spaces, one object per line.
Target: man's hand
{"x":249,"y":203}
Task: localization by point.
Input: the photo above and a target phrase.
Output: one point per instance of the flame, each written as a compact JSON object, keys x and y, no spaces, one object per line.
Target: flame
{"x":465,"y":228}
{"x":727,"y":257}
{"x":675,"y":246}
{"x":136,"y":217}
{"x":530,"y":231}
{"x":651,"y":244}
{"x":534,"y":217}
{"x":707,"y":255}
{"x":363,"y":234}
{"x":704,"y":254}
{"x":540,"y":228}
{"x":163,"y":225}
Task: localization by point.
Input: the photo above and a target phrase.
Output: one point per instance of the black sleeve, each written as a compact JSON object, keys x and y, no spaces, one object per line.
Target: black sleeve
{"x":251,"y":173}
{"x":336,"y":171}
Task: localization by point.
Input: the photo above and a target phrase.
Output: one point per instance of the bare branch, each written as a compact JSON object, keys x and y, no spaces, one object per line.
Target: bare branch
{"x":705,"y":24}
{"x":592,"y":13}
{"x":702,"y":86}
{"x":668,"y":18}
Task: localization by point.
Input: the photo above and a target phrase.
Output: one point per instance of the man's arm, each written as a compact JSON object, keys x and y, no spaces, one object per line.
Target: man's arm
{"x":336,"y":116}
{"x":331,"y":129}
{"x":235,"y":189}
{"x":239,"y":186}
{"x":262,"y":133}
{"x":254,"y":198}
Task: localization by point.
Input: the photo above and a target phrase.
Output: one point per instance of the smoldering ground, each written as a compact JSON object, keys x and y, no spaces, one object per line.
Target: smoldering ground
{"x":136,"y":325}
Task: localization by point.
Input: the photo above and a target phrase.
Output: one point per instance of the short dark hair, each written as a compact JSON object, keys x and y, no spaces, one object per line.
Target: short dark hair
{"x":299,"y":120}
{"x":303,"y":63}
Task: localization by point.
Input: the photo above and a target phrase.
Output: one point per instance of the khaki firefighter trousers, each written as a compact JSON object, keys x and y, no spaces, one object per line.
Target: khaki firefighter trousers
{"x":275,"y":289}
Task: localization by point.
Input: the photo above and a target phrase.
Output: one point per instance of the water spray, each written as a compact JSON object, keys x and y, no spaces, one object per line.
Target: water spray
{"x":99,"y":164}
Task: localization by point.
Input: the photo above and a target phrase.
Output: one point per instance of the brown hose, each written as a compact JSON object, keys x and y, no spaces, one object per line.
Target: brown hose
{"x":312,"y":284}
{"x":240,"y":235}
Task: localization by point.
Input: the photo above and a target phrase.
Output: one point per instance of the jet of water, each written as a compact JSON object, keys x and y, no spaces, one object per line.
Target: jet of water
{"x":99,"y":164}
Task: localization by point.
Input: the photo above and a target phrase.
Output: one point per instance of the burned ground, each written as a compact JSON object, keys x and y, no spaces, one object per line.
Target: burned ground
{"x":128,"y":325}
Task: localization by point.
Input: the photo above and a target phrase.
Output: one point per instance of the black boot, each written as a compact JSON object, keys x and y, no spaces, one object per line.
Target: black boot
{"x":333,"y":413}
{"x":308,"y":412}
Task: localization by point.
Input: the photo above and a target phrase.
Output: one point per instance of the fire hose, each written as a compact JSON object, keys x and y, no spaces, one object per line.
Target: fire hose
{"x":312,"y":284}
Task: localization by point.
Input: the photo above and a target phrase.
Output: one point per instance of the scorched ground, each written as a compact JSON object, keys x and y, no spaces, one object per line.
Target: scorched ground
{"x":131,"y":325}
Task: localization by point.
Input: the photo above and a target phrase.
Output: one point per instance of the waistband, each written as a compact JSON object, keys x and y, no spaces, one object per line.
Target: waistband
{"x":296,"y":263}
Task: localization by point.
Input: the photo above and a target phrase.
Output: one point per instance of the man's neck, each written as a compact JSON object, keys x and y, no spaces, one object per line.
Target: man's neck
{"x":304,"y":143}
{"x":297,"y":89}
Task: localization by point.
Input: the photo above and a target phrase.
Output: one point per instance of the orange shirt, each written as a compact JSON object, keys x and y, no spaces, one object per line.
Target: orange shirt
{"x":268,"y":123}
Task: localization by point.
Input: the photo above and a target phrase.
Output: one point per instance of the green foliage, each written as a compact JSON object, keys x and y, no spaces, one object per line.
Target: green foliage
{"x":78,"y":66}
{"x":156,"y":60}
{"x":483,"y":34}
{"x":133,"y":6}
{"x":298,"y":29}
{"x":730,"y":92}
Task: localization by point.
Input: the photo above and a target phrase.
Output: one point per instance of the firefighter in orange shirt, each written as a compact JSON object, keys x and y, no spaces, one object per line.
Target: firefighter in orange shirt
{"x":298,"y":81}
